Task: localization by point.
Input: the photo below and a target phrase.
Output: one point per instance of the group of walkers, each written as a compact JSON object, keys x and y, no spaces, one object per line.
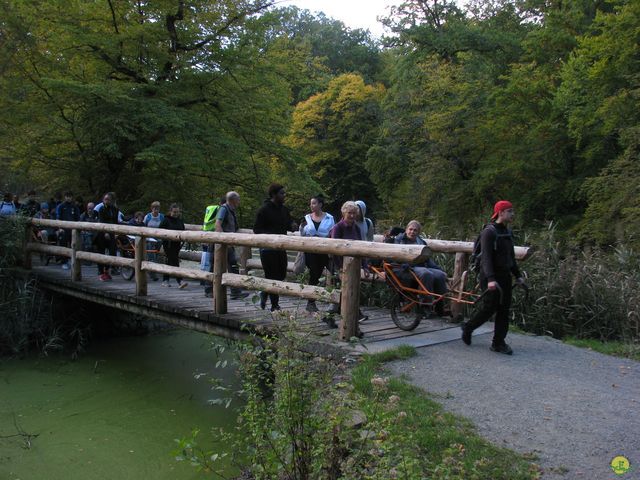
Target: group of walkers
{"x":496,"y":267}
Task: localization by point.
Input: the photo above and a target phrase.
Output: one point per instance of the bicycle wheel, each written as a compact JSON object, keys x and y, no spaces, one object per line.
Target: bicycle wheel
{"x":405,"y":313}
{"x":127,"y":272}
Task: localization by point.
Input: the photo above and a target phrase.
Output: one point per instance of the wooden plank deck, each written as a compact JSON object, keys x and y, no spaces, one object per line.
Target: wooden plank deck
{"x":189,"y":308}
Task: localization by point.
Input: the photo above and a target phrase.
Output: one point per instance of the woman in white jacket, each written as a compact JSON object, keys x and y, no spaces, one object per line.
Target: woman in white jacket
{"x":318,"y":223}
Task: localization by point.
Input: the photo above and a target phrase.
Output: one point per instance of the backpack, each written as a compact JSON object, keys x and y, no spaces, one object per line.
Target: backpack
{"x":475,"y":261}
{"x":7,"y":208}
{"x":210,"y":216}
{"x":392,"y":233}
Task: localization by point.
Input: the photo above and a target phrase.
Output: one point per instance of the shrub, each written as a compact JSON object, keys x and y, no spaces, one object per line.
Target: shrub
{"x":32,"y":320}
{"x":592,"y":294}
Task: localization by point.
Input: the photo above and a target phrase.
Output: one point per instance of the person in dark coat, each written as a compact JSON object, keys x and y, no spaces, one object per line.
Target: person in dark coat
{"x":273,"y":218}
{"x":172,"y":221}
{"x":498,"y":263}
{"x":109,"y":213}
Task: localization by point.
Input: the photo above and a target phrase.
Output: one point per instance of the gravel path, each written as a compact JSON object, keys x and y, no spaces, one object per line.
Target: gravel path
{"x":573,"y":408}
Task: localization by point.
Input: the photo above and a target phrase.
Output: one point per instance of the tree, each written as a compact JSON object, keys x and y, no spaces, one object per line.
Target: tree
{"x":333,"y":130}
{"x":150,"y":99}
{"x":599,"y":96}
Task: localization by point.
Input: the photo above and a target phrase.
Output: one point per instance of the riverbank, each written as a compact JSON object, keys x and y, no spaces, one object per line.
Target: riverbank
{"x":569,"y":409}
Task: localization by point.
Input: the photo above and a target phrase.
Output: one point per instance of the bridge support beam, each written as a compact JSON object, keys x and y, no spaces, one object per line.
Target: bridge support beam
{"x":219,"y":290}
{"x":76,"y":264}
{"x":350,"y":299}
{"x":141,"y":275}
{"x":26,"y":258}
{"x":459,"y":278}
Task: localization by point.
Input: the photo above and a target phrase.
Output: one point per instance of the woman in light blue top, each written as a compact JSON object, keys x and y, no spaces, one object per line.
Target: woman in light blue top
{"x":316,"y":224}
{"x":153,"y":219}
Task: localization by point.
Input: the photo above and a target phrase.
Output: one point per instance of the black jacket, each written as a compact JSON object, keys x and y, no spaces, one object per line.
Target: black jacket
{"x":498,"y":256}
{"x":171,"y":223}
{"x":273,"y":219}
{"x":108,"y":214}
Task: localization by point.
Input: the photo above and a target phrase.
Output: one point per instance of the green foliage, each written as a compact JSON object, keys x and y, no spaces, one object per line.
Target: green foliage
{"x":333,"y":131}
{"x":30,"y":319}
{"x":413,"y":438}
{"x":152,"y":100}
{"x":584,"y":295}
{"x":304,"y":419}
{"x":617,"y":349}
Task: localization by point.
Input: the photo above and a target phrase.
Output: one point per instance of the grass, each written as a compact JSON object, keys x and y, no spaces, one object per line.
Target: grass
{"x":610,"y":347}
{"x":445,"y":444}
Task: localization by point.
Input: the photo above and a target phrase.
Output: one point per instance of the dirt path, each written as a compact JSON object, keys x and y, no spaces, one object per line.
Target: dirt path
{"x":573,"y":409}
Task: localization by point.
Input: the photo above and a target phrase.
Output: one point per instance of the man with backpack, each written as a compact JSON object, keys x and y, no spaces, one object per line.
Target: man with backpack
{"x":209,"y":225}
{"x":227,"y":221}
{"x":497,"y":262}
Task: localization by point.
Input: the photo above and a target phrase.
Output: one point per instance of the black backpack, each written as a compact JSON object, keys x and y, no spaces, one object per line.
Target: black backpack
{"x":475,"y":261}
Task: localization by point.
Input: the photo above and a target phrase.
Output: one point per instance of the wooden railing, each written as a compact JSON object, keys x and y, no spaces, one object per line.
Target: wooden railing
{"x":351,"y":251}
{"x":462,"y":251}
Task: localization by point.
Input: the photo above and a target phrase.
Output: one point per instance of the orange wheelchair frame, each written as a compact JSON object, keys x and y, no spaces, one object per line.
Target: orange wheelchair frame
{"x":128,"y":250}
{"x":408,"y":303}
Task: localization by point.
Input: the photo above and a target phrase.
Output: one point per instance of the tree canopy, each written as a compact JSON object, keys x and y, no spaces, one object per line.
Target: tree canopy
{"x":534,"y":101}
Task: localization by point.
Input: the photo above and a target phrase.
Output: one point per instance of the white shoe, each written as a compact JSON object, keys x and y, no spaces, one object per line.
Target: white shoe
{"x":166,"y":283}
{"x":183,"y":285}
{"x":65,"y":266}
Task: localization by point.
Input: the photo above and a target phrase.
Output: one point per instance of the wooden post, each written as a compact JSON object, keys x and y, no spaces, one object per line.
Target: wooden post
{"x":219,"y":290}
{"x":245,"y":254}
{"x":350,"y":299}
{"x":76,"y":264}
{"x":141,"y":275}
{"x":26,"y":259}
{"x":460,"y":266}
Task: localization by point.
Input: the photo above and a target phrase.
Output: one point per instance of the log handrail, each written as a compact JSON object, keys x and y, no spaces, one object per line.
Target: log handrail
{"x":435,"y":244}
{"x":355,"y":248}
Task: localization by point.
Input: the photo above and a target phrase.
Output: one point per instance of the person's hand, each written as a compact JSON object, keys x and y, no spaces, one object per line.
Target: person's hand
{"x":492,"y":285}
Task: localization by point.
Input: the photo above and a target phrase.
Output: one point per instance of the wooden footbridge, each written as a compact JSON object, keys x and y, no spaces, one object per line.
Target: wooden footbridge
{"x":239,"y":319}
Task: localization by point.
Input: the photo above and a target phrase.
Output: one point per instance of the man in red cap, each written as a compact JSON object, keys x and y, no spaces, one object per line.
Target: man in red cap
{"x":498,"y":263}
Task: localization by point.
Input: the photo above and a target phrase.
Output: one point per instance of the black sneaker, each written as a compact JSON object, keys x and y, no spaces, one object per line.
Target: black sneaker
{"x":504,"y":348}
{"x":311,"y":306}
{"x":330,"y":321}
{"x":263,"y":300}
{"x":466,"y":334}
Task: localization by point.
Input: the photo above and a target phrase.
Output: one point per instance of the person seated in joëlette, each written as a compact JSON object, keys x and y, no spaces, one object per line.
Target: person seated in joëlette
{"x":432,"y":276}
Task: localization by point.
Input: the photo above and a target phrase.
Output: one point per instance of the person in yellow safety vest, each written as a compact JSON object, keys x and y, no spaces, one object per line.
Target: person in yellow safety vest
{"x":209,"y":225}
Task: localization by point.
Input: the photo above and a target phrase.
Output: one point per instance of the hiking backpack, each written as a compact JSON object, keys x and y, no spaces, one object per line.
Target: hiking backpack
{"x":475,"y":261}
{"x":7,"y":209}
{"x":210,"y":215}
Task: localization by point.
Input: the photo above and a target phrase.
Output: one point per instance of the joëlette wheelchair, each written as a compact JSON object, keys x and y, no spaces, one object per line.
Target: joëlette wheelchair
{"x":126,"y":245}
{"x":411,"y":299}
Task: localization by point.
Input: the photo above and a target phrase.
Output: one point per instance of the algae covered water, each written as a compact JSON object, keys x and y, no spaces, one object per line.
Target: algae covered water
{"x":113,"y":413}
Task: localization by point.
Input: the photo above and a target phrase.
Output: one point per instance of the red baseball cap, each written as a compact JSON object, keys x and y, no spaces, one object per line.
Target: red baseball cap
{"x":500,"y":206}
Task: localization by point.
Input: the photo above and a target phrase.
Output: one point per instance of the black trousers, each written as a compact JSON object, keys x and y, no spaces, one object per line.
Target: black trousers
{"x":274,"y":263}
{"x":103,"y":243}
{"x":316,"y":263}
{"x":494,"y":303}
{"x":173,"y":260}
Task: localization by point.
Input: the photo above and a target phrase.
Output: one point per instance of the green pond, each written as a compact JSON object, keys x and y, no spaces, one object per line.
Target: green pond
{"x":113,"y":413}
